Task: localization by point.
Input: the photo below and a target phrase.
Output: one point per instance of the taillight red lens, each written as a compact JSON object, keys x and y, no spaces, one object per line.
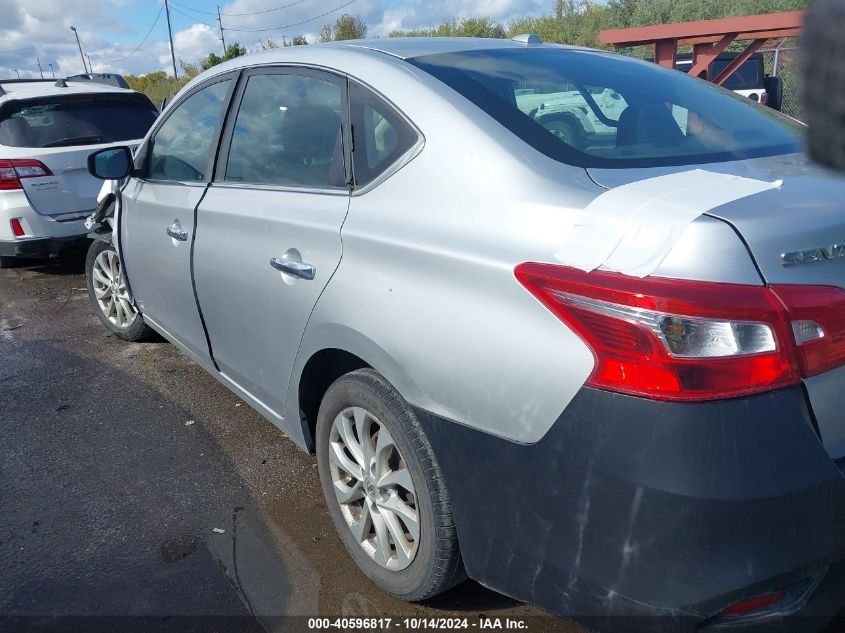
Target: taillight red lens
{"x":670,"y":339}
{"x":17,"y":229}
{"x":818,"y":324}
{"x":11,"y":171}
{"x":758,"y":603}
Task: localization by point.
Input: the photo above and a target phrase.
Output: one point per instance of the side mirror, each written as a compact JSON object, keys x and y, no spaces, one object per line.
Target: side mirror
{"x":112,"y":163}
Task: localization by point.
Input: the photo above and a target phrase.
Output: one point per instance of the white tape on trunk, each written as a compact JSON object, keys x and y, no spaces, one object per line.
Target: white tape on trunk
{"x":631,"y":229}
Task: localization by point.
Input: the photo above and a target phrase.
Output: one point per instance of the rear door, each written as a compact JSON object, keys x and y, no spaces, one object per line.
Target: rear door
{"x":158,"y":212}
{"x":61,"y":131}
{"x":269,"y":226}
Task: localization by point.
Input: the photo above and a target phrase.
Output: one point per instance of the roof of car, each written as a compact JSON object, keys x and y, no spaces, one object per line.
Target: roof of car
{"x":407,"y":47}
{"x":34,"y":89}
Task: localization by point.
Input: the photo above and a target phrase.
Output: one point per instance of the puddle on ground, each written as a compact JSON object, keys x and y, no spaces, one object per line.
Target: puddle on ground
{"x":272,"y":576}
{"x":177,"y":549}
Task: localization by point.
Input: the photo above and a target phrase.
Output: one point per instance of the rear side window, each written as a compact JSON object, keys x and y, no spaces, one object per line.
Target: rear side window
{"x":380,"y":135}
{"x":595,"y":109}
{"x":288,"y":133}
{"x":76,"y":120}
{"x":182,"y":145}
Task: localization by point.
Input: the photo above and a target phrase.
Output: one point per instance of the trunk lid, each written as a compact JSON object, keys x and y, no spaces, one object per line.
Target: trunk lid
{"x":806,"y":213}
{"x":70,"y":189}
{"x":804,"y":219}
{"x":61,"y":128}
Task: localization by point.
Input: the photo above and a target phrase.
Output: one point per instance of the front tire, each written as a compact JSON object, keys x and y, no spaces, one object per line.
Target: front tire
{"x":384,"y":488}
{"x":109,"y":296}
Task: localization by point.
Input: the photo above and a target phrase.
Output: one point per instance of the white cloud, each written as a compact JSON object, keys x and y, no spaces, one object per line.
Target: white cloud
{"x":26,"y":22}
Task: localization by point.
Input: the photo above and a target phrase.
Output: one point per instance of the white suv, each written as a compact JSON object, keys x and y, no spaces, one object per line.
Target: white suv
{"x":47,"y":130}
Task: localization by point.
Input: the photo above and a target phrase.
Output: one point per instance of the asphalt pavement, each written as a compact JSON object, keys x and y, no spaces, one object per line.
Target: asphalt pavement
{"x":138,"y":493}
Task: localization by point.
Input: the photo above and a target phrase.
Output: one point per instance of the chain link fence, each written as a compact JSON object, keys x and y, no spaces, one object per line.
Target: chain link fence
{"x":783,"y":62}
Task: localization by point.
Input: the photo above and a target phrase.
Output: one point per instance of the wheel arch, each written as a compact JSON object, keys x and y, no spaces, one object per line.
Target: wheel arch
{"x":328,"y":352}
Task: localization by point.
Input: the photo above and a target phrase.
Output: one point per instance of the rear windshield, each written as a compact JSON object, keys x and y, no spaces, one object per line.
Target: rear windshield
{"x":746,"y":77}
{"x":75,"y":120}
{"x":596,"y":109}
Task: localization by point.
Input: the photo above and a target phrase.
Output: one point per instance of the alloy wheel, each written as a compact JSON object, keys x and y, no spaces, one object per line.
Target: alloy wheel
{"x":374,"y":488}
{"x":110,"y":290}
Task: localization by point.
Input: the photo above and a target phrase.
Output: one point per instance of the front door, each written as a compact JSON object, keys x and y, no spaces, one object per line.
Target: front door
{"x":158,"y":212}
{"x":269,"y":225}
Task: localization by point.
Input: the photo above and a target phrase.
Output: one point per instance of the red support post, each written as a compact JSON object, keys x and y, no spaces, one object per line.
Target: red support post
{"x":665,"y":52}
{"x":705,"y":54}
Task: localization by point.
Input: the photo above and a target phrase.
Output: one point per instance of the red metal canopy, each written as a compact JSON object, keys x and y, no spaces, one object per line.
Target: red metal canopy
{"x":708,"y":38}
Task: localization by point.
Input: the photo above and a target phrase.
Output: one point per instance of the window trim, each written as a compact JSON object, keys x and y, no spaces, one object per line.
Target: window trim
{"x":219,"y":175}
{"x":410,"y":154}
{"x":141,"y":159}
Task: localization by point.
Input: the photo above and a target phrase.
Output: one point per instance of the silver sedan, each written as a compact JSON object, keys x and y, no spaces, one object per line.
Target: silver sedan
{"x":561,"y":321}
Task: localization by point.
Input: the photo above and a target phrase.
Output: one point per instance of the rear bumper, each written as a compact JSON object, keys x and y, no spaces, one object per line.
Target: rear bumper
{"x":630,"y":510}
{"x":43,"y":247}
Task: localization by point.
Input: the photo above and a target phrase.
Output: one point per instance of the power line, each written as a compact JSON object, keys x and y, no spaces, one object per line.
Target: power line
{"x":287,"y":26}
{"x":235,"y":15}
{"x":143,"y":41}
{"x":193,"y":19}
{"x":26,"y":48}
{"x":275,"y":28}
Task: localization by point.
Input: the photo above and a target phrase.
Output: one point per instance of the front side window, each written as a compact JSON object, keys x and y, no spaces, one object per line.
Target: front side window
{"x":380,"y":135}
{"x":182,"y":146}
{"x":595,"y":109}
{"x":288,"y":133}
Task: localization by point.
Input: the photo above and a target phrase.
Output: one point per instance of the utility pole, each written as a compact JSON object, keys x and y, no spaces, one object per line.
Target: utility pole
{"x":222,"y":38}
{"x":41,"y":70}
{"x":52,"y":70}
{"x":170,"y":33}
{"x":81,"y":55}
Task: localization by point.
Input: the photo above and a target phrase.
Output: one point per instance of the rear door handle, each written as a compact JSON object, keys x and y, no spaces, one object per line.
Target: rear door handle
{"x":177,"y":232}
{"x":293,"y":268}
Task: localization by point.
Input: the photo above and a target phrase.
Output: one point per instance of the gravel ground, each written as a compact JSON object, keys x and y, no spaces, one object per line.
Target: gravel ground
{"x":120,"y":464}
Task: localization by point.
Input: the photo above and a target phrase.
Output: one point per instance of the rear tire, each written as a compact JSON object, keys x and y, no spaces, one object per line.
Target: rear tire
{"x":108,"y":294}
{"x":401,"y":473}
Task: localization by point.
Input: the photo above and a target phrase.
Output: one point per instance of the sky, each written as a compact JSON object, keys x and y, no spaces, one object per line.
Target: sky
{"x":130,"y":36}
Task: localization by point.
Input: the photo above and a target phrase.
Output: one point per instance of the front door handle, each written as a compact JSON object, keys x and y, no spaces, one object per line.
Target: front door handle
{"x":293,"y":268}
{"x":177,"y":232}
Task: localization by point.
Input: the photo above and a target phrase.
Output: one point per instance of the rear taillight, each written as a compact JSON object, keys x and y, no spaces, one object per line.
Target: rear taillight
{"x":764,"y":98}
{"x":818,"y":324}
{"x":17,"y":228}
{"x":671,"y":339}
{"x":753,"y":605}
{"x":11,"y":171}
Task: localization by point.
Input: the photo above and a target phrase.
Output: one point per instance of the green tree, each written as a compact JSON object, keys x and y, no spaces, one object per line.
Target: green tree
{"x":580,"y":21}
{"x":466,"y":27}
{"x":158,"y":85}
{"x":189,"y":71}
{"x":346,"y":27}
{"x":232,"y":51}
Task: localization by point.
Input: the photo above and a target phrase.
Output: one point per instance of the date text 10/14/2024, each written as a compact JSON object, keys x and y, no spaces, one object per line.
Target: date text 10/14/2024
{"x":416,"y":624}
